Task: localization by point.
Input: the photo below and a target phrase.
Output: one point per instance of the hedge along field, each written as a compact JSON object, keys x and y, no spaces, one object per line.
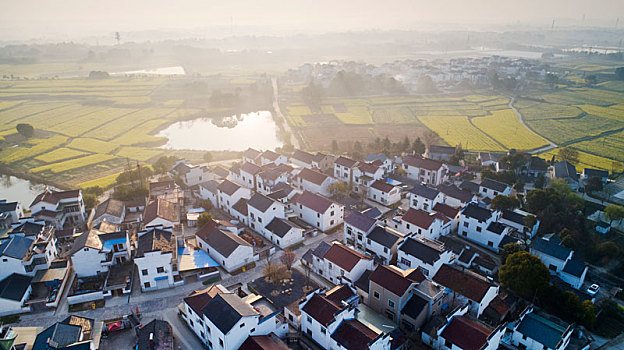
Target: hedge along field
{"x":458,"y":130}
{"x":73,"y":163}
{"x":92,"y":145}
{"x":59,"y":154}
{"x":504,"y":127}
{"x":31,"y":148}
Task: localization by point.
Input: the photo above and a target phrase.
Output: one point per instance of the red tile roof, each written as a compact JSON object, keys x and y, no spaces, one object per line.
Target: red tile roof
{"x":382,"y":186}
{"x":313,"y":201}
{"x":419,"y":218}
{"x":423,"y":163}
{"x":466,"y":283}
{"x":250,"y":168}
{"x":312,"y":176}
{"x":446,"y":210}
{"x":321,"y":309}
{"x":200,"y":298}
{"x":263,"y":342}
{"x":390,"y":279}
{"x":303,"y":156}
{"x":354,"y":335}
{"x":54,"y":197}
{"x":344,"y":256}
{"x":368,"y":168}
{"x":339,"y":294}
{"x":346,"y":162}
{"x":465,"y":333}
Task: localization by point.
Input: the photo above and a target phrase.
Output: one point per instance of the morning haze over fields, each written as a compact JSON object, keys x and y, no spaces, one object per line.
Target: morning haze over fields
{"x":312,"y":174}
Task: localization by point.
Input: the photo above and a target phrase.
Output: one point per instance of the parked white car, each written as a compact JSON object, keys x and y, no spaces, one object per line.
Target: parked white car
{"x":593,"y":289}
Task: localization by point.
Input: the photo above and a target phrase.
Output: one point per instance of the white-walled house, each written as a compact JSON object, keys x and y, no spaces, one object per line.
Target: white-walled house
{"x":365,"y":174}
{"x":261,"y":210}
{"x":161,"y":212}
{"x":268,"y":179}
{"x":559,"y":260}
{"x":223,"y":320}
{"x":425,"y":170}
{"x":225,"y":247}
{"x":247,"y":174}
{"x":491,"y":188}
{"x":516,"y":219}
{"x":382,"y":243}
{"x":419,"y":223}
{"x":27,"y":254}
{"x":268,"y":157}
{"x":480,"y":225}
{"x":455,"y":197}
{"x":283,"y":232}
{"x":464,"y":332}
{"x":230,"y":193}
{"x":192,"y":175}
{"x":251,"y":155}
{"x":341,"y":264}
{"x":156,"y":258}
{"x":529,"y":330}
{"x":94,"y":252}
{"x":111,"y":210}
{"x":59,"y":209}
{"x":209,"y":190}
{"x":318,"y":211}
{"x":428,"y":256}
{"x":424,"y":198}
{"x":344,"y":169}
{"x":302,"y":159}
{"x":313,"y":181}
{"x":384,"y":193}
{"x":15,"y":290}
{"x":10,"y":213}
{"x":240,"y":211}
{"x":357,"y":226}
{"x":451,"y":213}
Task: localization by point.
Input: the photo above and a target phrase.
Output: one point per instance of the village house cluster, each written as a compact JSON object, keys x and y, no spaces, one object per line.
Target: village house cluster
{"x":412,"y":250}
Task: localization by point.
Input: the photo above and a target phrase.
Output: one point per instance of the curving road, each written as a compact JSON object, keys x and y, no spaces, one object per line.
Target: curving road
{"x":551,"y":144}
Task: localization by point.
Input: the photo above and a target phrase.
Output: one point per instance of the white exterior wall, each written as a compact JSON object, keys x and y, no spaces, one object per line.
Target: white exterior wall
{"x":322,"y":189}
{"x":430,"y":177}
{"x":226,"y":202}
{"x":323,"y":221}
{"x":432,"y":233}
{"x":264,"y":187}
{"x":426,"y":204}
{"x":383,"y":252}
{"x":490,"y":193}
{"x":429,"y":270}
{"x":352,"y":232}
{"x":337,"y":275}
{"x":12,"y":307}
{"x":280,"y":160}
{"x":489,"y":296}
{"x":551,"y":261}
{"x":151,"y":261}
{"x":300,"y":164}
{"x":197,"y":175}
{"x":575,"y":282}
{"x":87,"y":262}
{"x":385,"y":198}
{"x":240,"y":257}
{"x":310,"y":325}
{"x":197,"y":325}
{"x":239,"y":216}
{"x":9,"y":265}
{"x":532,"y":344}
{"x":248,"y":180}
{"x":469,"y":226}
{"x":294,"y":236}
{"x":212,"y":196}
{"x":258,"y":220}
{"x":343,"y":173}
{"x":161,"y":222}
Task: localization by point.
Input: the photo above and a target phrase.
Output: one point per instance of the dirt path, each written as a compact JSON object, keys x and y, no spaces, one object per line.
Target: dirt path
{"x":278,"y":111}
{"x":551,"y":145}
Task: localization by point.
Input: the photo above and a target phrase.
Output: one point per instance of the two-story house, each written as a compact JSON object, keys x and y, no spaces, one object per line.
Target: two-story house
{"x":344,"y":168}
{"x":382,"y":243}
{"x":230,"y":193}
{"x":462,"y":331}
{"x":318,"y":211}
{"x":491,"y":188}
{"x":424,"y":198}
{"x":156,"y":258}
{"x":59,"y":209}
{"x":456,"y":197}
{"x":270,"y":157}
{"x":166,"y":190}
{"x":10,"y":213}
{"x":356,"y":227}
{"x":111,"y":210}
{"x":192,"y":175}
{"x":390,"y":288}
{"x":225,"y":247}
{"x":425,"y":170}
{"x":262,"y":210}
{"x":94,"y":252}
{"x":536,"y":330}
{"x":482,"y":226}
{"x":364,"y":175}
{"x":251,"y":155}
{"x":384,"y":193}
{"x":313,"y":181}
{"x":341,"y":264}
{"x":420,"y":223}
{"x":161,"y":212}
{"x":302,"y":159}
{"x":428,"y":256}
{"x":559,"y":260}
{"x":283,"y":232}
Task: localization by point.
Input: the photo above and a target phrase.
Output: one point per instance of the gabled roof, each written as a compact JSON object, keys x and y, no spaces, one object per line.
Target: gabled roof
{"x":224,"y":310}
{"x":549,"y":248}
{"x":14,"y":286}
{"x":241,"y":206}
{"x":346,"y":162}
{"x":210,"y":185}
{"x":424,"y":163}
{"x":318,"y":157}
{"x":391,"y":279}
{"x":574,"y":268}
{"x":441,"y":149}
{"x":545,"y":331}
{"x":155,"y":239}
{"x":513,"y":217}
{"x":29,"y":228}
{"x":260,"y":202}
{"x":220,"y":171}
{"x":419,"y":218}
{"x":446,"y":210}
{"x":161,"y":335}
{"x":564,"y":170}
{"x":473,"y":210}
{"x":225,"y":242}
{"x":496,"y":227}
{"x":537,"y":163}
{"x":424,"y":191}
{"x":313,"y":201}
{"x":162,"y":185}
{"x":424,"y":250}
{"x":54,"y":197}
{"x":494,"y":185}
{"x":354,"y":335}
{"x":16,"y":246}
{"x":467,"y":185}
{"x":200,"y":298}
{"x":385,"y":236}
{"x":466,"y":334}
{"x":228,"y":187}
{"x":466,"y":283}
{"x":6,"y":207}
{"x":414,"y":306}
{"x":303,"y":156}
{"x":322,"y":309}
{"x":372,"y":212}
{"x":312,"y":176}
{"x":344,"y":257}
{"x":110,"y":206}
{"x":455,"y":192}
{"x":161,"y":208}
{"x":360,"y":221}
{"x":280,"y":227}
{"x":367,"y":168}
{"x":251,"y":153}
{"x":263,"y":342}
{"x":382,"y":186}
{"x":373,"y":157}
{"x":250,"y":168}
{"x":270,"y":155}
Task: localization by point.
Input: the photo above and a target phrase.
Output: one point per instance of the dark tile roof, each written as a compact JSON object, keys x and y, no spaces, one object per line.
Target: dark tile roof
{"x":199,"y":299}
{"x":250,"y":168}
{"x":423,"y":163}
{"x":29,"y":228}
{"x":537,"y":163}
{"x":241,"y":206}
{"x":390,"y":279}
{"x":270,"y":155}
{"x":372,"y":212}
{"x":321,"y":309}
{"x":260,"y":202}
{"x":354,"y":335}
{"x":162,"y":185}
{"x":486,"y":262}
{"x":362,"y":282}
{"x":225,"y":242}
{"x":314,"y":201}
{"x":418,"y":217}
{"x":564,"y":170}
{"x":155,"y":239}
{"x":344,"y":257}
{"x":6,"y":207}
{"x":465,"y":283}
{"x":14,"y":286}
{"x":263,"y":342}
{"x":160,"y":208}
{"x":210,"y":185}
{"x":280,"y":227}
{"x":321,"y":249}
{"x":494,"y":185}
{"x":385,"y":236}
{"x":473,"y":210}
{"x":367,"y":168}
{"x":303,"y":156}
{"x":228,"y":187}
{"x":466,"y":256}
{"x":446,"y":210}
{"x":111,"y":207}
{"x":555,"y":250}
{"x":15,"y":246}
{"x":251,"y":153}
{"x":346,"y":162}
{"x":226,"y":309}
{"x":424,"y":191}
{"x":513,"y":217}
{"x":496,"y":227}
{"x":318,"y":157}
{"x":453,"y":244}
{"x":360,"y":221}
{"x":589,"y":172}
{"x":373,"y":157}
{"x":466,"y":334}
{"x":221,"y":172}
{"x":162,"y":336}
{"x":312,"y":176}
{"x":469,"y":186}
{"x":574,"y":268}
{"x":455,"y":192}
{"x":62,"y":334}
{"x":442,"y":149}
{"x":340,"y":293}
{"x":382,"y":186}
{"x":415,"y":306}
{"x":546,"y":331}
{"x":426,"y":251}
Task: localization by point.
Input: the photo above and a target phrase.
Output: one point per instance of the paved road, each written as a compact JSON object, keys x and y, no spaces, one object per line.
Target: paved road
{"x":551,"y":144}
{"x":293,"y":140}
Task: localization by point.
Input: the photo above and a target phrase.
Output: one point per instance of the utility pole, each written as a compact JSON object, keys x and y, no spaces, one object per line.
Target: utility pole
{"x":139,"y":174}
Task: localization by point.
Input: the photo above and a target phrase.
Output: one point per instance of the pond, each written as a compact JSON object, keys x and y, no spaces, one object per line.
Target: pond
{"x":177,"y":70}
{"x":237,"y":133}
{"x":15,"y":189}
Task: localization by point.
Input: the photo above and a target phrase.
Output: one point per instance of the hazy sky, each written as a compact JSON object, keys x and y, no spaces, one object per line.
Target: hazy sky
{"x":75,"y":18}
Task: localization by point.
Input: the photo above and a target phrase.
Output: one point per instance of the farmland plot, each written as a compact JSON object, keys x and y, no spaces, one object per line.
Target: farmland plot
{"x":459,"y":130}
{"x":504,"y":127}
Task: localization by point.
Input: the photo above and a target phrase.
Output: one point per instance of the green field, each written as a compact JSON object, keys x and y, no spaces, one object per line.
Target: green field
{"x":459,"y":131}
{"x":504,"y":127}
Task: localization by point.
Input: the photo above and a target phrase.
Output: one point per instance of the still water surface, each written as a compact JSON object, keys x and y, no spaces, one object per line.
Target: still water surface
{"x":15,"y":189}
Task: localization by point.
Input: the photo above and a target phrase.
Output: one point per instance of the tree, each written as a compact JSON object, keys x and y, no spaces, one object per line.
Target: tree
{"x":426,"y":85}
{"x":25,"y":130}
{"x":334,"y":147}
{"x":90,"y":200}
{"x":614,"y":212}
{"x":529,"y":221}
{"x":501,"y":202}
{"x":569,"y":155}
{"x":591,"y":79}
{"x":540,"y":181}
{"x":204,"y":218}
{"x":206,"y":204}
{"x":207,"y":157}
{"x":588,"y":313}
{"x":608,"y":250}
{"x":275,"y":273}
{"x":508,"y":249}
{"x":339,"y":188}
{"x":164,"y":164}
{"x":429,"y":138}
{"x":552,"y":79}
{"x":311,"y":95}
{"x":619,"y":73}
{"x":418,"y":147}
{"x":593,"y":184}
{"x":357,"y":150}
{"x":525,"y":274}
{"x":288,"y":258}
